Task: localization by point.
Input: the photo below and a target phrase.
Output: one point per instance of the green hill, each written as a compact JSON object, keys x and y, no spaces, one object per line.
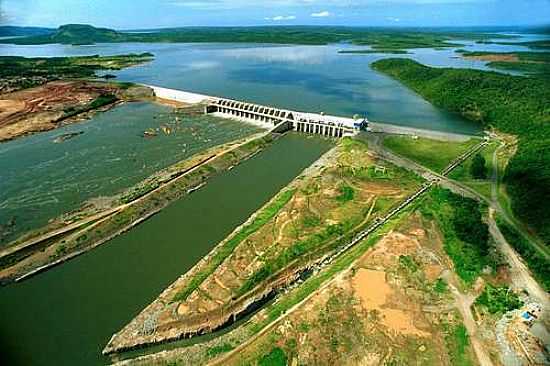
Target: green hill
{"x":15,"y":31}
{"x":379,"y":38}
{"x":73,"y":34}
{"x":513,"y":104}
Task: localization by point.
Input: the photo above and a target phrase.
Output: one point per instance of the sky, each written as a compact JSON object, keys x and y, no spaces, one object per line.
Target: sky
{"x":141,"y":14}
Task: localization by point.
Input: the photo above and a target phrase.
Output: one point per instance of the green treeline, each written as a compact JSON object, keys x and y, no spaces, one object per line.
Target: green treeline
{"x":513,"y":104}
{"x":478,"y":168}
{"x":379,"y":38}
{"x":498,"y":300}
{"x":537,"y":263}
{"x":81,"y":66}
{"x":466,"y":236}
{"x":22,"y":72}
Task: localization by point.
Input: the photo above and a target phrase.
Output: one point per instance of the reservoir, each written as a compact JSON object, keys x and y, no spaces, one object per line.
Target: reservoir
{"x":303,"y":78}
{"x":66,"y":315}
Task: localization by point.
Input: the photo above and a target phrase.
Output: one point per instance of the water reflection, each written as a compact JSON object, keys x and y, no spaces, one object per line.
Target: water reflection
{"x":299,"y":55}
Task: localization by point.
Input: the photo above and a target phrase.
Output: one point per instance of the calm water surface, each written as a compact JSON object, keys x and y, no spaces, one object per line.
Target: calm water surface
{"x":308,"y":78}
{"x":65,"y":316}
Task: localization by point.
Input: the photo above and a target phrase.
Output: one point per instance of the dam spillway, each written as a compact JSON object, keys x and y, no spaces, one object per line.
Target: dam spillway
{"x":268,"y":117}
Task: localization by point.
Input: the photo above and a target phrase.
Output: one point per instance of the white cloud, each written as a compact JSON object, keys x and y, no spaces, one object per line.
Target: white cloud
{"x":279,"y":18}
{"x":321,"y":14}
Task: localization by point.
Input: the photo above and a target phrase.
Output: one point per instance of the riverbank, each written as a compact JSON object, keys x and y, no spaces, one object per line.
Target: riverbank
{"x":51,"y":248}
{"x":59,"y":103}
{"x":298,"y":228}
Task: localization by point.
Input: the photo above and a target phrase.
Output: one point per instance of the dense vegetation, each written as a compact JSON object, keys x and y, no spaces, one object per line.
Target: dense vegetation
{"x":531,"y":63}
{"x":276,"y":357}
{"x":537,"y":263}
{"x":14,"y":31}
{"x":478,"y":168}
{"x":465,"y":234}
{"x":513,"y":104}
{"x":457,"y":341}
{"x":378,"y":38}
{"x":21,"y":72}
{"x":498,"y":300}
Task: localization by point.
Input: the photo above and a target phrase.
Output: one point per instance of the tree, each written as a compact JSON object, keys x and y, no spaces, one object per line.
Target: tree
{"x":478,"y":169}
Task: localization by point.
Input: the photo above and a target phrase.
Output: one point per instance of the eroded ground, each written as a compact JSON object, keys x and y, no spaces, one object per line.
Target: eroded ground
{"x":391,"y":308}
{"x":54,"y":104}
{"x":337,"y":196}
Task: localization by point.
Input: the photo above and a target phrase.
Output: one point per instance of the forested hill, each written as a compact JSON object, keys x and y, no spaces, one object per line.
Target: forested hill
{"x":14,"y":31}
{"x":378,"y":38}
{"x":512,"y":104}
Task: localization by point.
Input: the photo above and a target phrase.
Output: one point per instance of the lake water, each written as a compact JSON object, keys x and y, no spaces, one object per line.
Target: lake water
{"x":40,"y":180}
{"x":306,"y":78}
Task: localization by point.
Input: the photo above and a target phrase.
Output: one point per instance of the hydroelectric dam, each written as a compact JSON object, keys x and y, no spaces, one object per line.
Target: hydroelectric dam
{"x":280,"y":120}
{"x":272,"y":118}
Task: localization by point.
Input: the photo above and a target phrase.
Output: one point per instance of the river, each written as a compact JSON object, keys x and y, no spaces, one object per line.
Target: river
{"x":65,"y":316}
{"x":305,"y":78}
{"x":40,"y":179}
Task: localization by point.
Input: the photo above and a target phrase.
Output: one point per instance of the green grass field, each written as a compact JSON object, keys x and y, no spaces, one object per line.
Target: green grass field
{"x":433,"y":154}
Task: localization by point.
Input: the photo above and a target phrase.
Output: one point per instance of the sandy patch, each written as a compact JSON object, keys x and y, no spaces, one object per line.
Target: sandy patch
{"x":432,"y":271}
{"x":494,"y":57}
{"x":386,"y":253}
{"x":373,"y":291}
{"x":371,"y":287}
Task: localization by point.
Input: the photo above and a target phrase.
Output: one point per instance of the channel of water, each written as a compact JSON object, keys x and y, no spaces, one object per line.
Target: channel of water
{"x":66,"y":315}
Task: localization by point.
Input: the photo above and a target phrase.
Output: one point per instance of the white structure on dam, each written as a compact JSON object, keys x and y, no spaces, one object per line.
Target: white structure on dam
{"x":298,"y":121}
{"x":268,"y":117}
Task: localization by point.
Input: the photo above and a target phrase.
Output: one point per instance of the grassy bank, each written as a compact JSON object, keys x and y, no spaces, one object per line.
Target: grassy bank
{"x":463,"y":172}
{"x":537,"y":263}
{"x":227,"y":248}
{"x":513,"y":104}
{"x":433,"y":154}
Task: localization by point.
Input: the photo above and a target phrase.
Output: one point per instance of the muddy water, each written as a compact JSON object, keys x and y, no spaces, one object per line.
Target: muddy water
{"x":66,"y":315}
{"x":40,"y":179}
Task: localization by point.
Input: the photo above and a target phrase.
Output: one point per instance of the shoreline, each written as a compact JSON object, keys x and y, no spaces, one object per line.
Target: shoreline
{"x":291,"y":275}
{"x":214,"y":164}
{"x":32,"y":112}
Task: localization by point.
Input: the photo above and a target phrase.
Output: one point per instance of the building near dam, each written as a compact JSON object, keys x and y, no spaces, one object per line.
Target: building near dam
{"x":269,"y":117}
{"x":313,"y":123}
